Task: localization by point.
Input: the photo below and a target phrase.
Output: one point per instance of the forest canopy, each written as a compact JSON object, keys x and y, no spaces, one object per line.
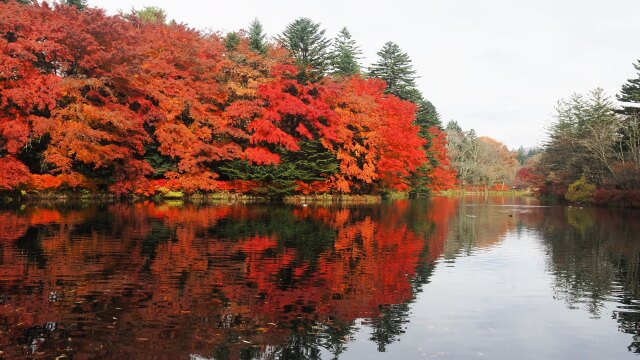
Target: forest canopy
{"x":136,"y":104}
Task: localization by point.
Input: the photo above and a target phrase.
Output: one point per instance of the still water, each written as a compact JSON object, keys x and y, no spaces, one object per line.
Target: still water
{"x":450,"y":278}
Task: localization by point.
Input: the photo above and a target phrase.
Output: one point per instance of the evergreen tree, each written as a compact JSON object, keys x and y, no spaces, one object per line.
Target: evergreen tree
{"x":345,"y":55}
{"x":80,"y":4}
{"x":257,"y":37}
{"x":453,"y":126}
{"x":395,"y":68}
{"x":151,"y":14}
{"x":309,"y":47}
{"x":630,"y":93}
{"x":231,"y":41}
{"x":426,"y":117}
{"x":311,"y":163}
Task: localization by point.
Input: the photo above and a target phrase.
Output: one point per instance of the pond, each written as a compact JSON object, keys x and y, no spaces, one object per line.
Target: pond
{"x":451,"y":278}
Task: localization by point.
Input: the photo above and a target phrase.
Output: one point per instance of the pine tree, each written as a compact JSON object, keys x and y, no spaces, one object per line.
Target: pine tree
{"x":630,"y":93}
{"x":151,"y":14}
{"x":231,"y":41}
{"x":453,"y":126}
{"x":257,"y":37}
{"x":395,"y":68}
{"x":426,"y":117}
{"x":345,"y":55}
{"x":309,"y":47}
{"x":80,"y":4}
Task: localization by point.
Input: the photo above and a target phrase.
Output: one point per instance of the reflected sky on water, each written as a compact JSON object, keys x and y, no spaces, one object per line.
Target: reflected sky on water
{"x":473,"y":277}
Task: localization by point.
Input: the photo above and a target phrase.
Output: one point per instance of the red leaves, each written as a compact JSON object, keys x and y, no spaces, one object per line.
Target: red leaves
{"x":442,"y":176}
{"x":261,"y":156}
{"x":375,"y":136}
{"x":137,"y":106}
{"x":12,"y":173}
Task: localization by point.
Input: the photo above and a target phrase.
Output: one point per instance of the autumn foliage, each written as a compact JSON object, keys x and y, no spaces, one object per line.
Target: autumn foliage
{"x":118,"y":104}
{"x":190,"y":268}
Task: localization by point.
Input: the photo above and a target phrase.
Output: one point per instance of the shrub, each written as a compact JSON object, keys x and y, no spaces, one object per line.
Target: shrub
{"x":619,"y":198}
{"x":580,"y":191}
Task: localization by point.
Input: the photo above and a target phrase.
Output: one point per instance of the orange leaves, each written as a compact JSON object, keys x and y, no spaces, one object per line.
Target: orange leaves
{"x":49,"y":182}
{"x":266,"y":131}
{"x":45,"y":182}
{"x":261,"y":156}
{"x":131,"y":106}
{"x":375,"y":136}
{"x":442,"y":176}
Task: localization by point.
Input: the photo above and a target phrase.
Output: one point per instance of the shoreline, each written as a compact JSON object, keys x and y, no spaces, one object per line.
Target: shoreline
{"x":83,"y":196}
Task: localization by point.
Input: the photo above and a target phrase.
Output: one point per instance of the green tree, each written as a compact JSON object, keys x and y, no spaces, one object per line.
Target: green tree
{"x":580,"y":191}
{"x":80,"y":4}
{"x":427,"y":116}
{"x":582,"y":140}
{"x":311,"y":163}
{"x":395,"y":68}
{"x":151,"y":14}
{"x":231,"y":41}
{"x":257,"y":37}
{"x":630,"y":94}
{"x":628,"y":147}
{"x":345,"y":55}
{"x":309,"y":47}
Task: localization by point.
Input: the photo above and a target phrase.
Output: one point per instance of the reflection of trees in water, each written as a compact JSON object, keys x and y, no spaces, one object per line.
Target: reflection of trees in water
{"x":388,"y":327}
{"x":225,"y":282}
{"x":230,"y":282}
{"x":480,"y":222}
{"x":595,"y":258}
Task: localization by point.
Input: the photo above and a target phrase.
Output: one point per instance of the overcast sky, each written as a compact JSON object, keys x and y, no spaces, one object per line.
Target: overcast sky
{"x":497,"y":66}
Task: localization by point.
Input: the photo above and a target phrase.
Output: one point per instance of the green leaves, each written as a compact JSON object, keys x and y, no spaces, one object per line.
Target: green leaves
{"x":630,"y":93}
{"x":309,"y":47}
{"x":345,"y":55}
{"x":257,"y":40}
{"x":395,"y":68}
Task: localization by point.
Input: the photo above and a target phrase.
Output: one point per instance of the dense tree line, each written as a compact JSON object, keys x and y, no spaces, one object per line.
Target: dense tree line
{"x":482,"y":163}
{"x":135,"y":104}
{"x":593,"y":149}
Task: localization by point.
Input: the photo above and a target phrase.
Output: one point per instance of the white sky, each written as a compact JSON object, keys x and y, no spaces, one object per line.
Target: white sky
{"x":497,"y":66}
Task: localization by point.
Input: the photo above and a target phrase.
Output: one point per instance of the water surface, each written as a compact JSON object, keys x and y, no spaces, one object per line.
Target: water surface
{"x":453,"y":278}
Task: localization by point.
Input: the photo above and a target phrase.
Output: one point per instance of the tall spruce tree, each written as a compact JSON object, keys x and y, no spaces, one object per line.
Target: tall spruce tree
{"x":257,"y":37}
{"x":395,"y":68}
{"x":629,"y":132}
{"x":308,"y":45}
{"x":427,"y":116}
{"x":630,"y":94}
{"x":345,"y":55}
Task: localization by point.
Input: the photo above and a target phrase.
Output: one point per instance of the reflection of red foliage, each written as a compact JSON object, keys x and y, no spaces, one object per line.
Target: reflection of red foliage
{"x":12,"y":226}
{"x":177,"y":271}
